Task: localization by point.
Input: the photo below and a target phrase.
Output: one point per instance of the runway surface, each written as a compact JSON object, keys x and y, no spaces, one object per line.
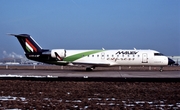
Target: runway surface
{"x":100,"y":73}
{"x":97,"y":75}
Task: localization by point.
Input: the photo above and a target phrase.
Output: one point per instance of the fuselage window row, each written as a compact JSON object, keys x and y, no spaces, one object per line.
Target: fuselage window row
{"x":113,"y":56}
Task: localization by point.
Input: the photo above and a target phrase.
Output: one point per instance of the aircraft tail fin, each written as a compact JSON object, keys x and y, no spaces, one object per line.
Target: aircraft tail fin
{"x":28,"y":43}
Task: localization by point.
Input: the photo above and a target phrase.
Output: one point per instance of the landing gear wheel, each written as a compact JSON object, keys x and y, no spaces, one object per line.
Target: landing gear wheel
{"x":88,"y":69}
{"x":161,"y":69}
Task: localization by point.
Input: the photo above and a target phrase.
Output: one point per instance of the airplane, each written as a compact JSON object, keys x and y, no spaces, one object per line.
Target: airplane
{"x":91,"y":58}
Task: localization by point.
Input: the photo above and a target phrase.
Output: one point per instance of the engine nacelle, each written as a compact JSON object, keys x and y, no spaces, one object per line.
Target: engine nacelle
{"x":56,"y":53}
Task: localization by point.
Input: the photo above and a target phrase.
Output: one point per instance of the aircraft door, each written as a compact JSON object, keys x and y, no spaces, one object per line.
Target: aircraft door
{"x":144,"y":58}
{"x":102,"y":55}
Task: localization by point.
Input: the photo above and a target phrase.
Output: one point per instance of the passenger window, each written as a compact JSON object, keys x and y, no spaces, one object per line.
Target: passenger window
{"x":92,"y":55}
{"x":107,"y":55}
{"x":97,"y":55}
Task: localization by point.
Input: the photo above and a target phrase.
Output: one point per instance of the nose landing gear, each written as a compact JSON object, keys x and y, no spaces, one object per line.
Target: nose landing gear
{"x":161,"y":69}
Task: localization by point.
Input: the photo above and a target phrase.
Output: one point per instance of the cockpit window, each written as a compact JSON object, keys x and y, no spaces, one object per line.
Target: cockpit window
{"x":158,"y":54}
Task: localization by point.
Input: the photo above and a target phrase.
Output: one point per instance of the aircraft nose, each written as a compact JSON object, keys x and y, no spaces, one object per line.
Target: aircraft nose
{"x":170,"y":61}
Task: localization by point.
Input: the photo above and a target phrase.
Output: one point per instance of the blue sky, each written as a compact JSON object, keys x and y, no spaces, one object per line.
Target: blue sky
{"x":92,"y":24}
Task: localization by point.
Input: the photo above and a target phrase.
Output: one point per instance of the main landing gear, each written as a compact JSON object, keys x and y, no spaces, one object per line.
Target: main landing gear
{"x":90,"y":68}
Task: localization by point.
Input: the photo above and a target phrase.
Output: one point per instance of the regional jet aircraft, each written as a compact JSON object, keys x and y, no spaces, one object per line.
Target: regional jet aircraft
{"x":91,"y":58}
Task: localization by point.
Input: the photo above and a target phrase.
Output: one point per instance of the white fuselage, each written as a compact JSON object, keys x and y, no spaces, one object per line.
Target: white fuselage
{"x":117,"y":57}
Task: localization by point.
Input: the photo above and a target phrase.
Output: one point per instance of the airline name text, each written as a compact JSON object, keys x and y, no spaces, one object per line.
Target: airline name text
{"x":127,"y":52}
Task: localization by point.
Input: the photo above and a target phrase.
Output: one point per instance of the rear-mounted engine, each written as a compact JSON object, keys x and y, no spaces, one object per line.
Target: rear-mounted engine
{"x":58,"y":53}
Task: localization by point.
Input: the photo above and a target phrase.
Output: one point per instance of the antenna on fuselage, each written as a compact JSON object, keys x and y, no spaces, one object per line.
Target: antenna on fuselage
{"x":134,"y":48}
{"x":103,"y":48}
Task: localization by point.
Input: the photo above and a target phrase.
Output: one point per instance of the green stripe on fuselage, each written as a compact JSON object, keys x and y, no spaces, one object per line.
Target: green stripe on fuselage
{"x":80,"y":55}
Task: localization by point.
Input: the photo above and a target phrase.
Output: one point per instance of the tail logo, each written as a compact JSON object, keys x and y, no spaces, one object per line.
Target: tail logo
{"x":30,"y":47}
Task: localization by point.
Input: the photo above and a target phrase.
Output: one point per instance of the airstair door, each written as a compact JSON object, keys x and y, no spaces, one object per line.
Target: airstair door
{"x":144,"y":58}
